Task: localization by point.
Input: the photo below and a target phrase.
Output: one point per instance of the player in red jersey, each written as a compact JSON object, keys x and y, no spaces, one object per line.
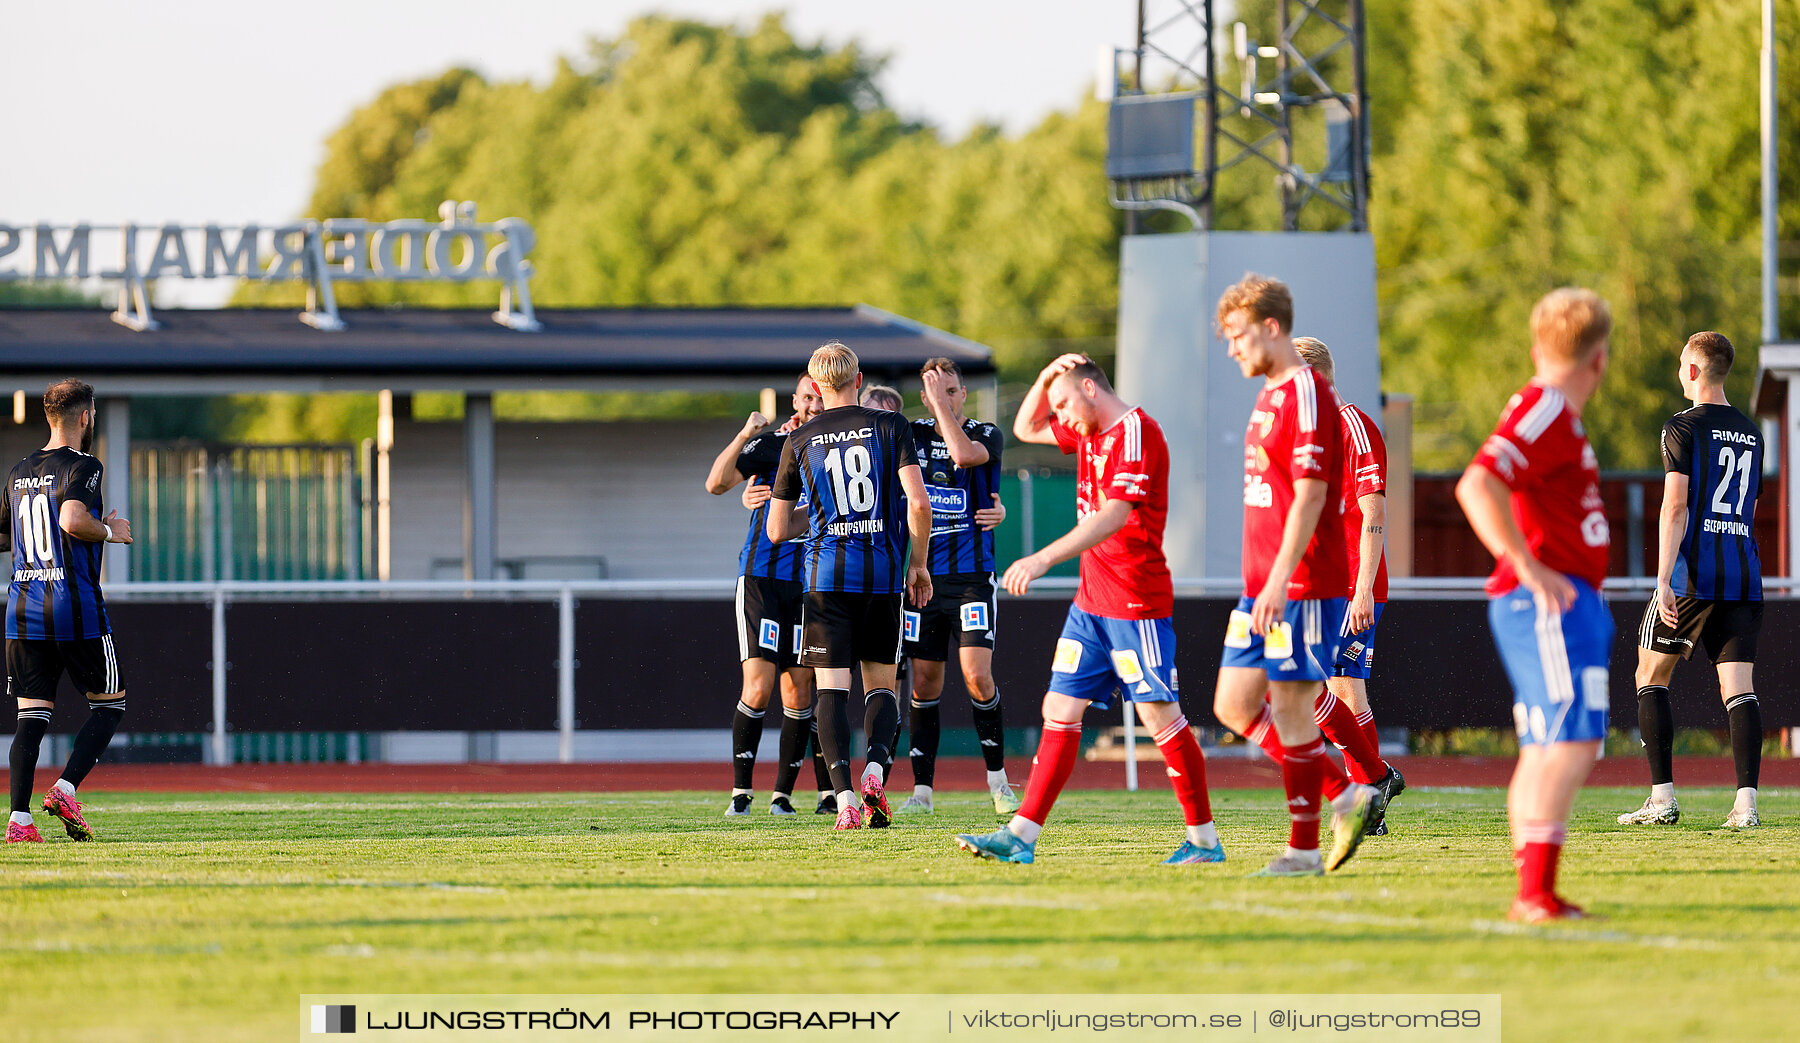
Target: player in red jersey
{"x":1118,"y":636}
{"x":1343,"y":710}
{"x":1283,"y":636}
{"x":1532,"y":495}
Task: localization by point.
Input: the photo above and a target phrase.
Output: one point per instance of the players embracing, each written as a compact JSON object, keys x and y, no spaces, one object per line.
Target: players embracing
{"x":961,"y":462}
{"x":858,"y":472}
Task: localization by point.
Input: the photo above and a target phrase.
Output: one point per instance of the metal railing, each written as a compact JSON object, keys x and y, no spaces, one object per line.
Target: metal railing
{"x":565,"y":593}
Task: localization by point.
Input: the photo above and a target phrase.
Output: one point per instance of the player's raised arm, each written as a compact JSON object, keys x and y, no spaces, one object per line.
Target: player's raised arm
{"x":724,"y":474}
{"x":1033,"y":422}
{"x":1487,"y":502}
{"x":940,"y":385}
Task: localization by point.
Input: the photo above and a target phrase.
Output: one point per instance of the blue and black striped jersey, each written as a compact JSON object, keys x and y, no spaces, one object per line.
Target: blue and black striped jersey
{"x":55,"y":593}
{"x":958,"y":545}
{"x":758,"y":461}
{"x":847,"y":462}
{"x":1721,"y":452}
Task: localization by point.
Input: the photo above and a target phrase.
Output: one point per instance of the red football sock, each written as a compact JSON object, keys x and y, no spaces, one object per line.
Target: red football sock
{"x":1300,"y":778}
{"x":1340,"y":726}
{"x":1537,"y":859}
{"x":1051,"y":768}
{"x":1187,"y":771}
{"x":1262,"y":733}
{"x":1366,"y":720}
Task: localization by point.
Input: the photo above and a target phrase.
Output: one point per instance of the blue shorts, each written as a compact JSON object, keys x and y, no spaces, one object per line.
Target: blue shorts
{"x":1098,"y":656}
{"x":1302,"y":647}
{"x":1356,"y":652}
{"x":1557,"y":664}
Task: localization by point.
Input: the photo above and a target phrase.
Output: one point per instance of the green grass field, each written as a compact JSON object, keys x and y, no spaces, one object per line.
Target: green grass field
{"x":206,"y":917}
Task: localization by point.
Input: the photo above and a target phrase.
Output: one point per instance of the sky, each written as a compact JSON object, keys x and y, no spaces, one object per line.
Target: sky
{"x":198,"y":110}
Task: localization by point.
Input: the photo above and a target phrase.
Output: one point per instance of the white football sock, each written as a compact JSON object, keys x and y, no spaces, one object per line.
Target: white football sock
{"x":996,"y":779}
{"x":1024,"y":828}
{"x":1746,"y":799}
{"x":1310,"y":857}
{"x":23,"y":818}
{"x":1662,"y":793}
{"x":1204,"y":835}
{"x":69,"y":787}
{"x":923,"y":793}
{"x":875,"y":770}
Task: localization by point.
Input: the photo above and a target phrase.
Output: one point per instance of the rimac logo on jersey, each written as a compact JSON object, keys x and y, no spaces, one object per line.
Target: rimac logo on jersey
{"x":975,"y":616}
{"x":948,"y":501}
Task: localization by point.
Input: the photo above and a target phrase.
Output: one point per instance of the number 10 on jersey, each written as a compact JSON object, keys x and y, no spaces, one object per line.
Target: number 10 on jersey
{"x":36,"y":537}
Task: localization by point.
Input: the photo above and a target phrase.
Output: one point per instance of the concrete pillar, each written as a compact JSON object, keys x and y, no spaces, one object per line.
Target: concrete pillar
{"x":115,"y":454}
{"x":478,"y":498}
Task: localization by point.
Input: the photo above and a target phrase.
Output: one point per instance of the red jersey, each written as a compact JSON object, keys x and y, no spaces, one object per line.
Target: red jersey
{"x":1542,"y":454}
{"x":1365,"y":472}
{"x":1125,"y":576}
{"x":1294,"y":433}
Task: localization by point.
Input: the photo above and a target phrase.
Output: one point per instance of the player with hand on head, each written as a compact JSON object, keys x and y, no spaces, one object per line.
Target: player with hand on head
{"x":1708,"y":579}
{"x":53,"y":520}
{"x":768,"y":611}
{"x":1118,"y":636}
{"x":1532,"y":495}
{"x":1282,"y":638}
{"x":859,"y":474}
{"x":961,"y":461}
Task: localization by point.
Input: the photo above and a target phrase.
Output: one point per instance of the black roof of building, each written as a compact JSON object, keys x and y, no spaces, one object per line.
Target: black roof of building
{"x":245,"y":349}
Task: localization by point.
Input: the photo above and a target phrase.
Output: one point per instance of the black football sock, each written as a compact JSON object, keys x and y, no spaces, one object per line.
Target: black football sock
{"x":1745,"y":714}
{"x":91,"y":741}
{"x":923,"y":729}
{"x":881,"y":723}
{"x":796,"y":729}
{"x":821,"y":773}
{"x":746,"y":735}
{"x":34,"y":721}
{"x":992,"y":735}
{"x":833,"y":712}
{"x":1657,"y":726}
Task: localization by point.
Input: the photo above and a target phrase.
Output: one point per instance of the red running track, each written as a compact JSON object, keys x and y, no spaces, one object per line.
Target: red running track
{"x":953,"y":773}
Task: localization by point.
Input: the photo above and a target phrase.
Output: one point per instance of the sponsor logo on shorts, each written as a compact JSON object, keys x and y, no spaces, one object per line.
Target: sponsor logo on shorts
{"x":797,"y":632}
{"x":1126,"y":665}
{"x":815,"y":651}
{"x":1068,"y":656}
{"x":770,"y":635}
{"x":975,"y":616}
{"x":911,"y":629}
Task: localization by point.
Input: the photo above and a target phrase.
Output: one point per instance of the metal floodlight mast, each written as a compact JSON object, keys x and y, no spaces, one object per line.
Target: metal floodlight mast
{"x":1314,"y":91}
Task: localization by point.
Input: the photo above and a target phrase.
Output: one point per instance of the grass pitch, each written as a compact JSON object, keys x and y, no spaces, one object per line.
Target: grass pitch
{"x":207,"y":917}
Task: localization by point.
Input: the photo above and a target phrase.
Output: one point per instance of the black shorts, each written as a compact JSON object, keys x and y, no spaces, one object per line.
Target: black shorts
{"x":33,"y":667}
{"x":768,"y":612}
{"x":963,"y":605}
{"x":843,"y":629}
{"x":1726,"y":629}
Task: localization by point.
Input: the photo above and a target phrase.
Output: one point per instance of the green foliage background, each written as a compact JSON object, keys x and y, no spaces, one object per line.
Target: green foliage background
{"x":1518,"y":145}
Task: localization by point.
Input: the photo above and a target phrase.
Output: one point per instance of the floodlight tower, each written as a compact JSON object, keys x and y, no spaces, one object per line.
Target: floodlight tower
{"x":1196,"y":115}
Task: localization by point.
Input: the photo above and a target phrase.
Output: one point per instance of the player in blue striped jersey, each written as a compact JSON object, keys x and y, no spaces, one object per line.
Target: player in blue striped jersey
{"x":53,"y":521}
{"x":768,"y":611}
{"x":859,"y":473}
{"x":1708,"y":578}
{"x":961,"y":462}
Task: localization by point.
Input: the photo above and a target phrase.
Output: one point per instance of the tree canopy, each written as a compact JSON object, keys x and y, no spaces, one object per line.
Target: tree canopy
{"x":1518,"y":145}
